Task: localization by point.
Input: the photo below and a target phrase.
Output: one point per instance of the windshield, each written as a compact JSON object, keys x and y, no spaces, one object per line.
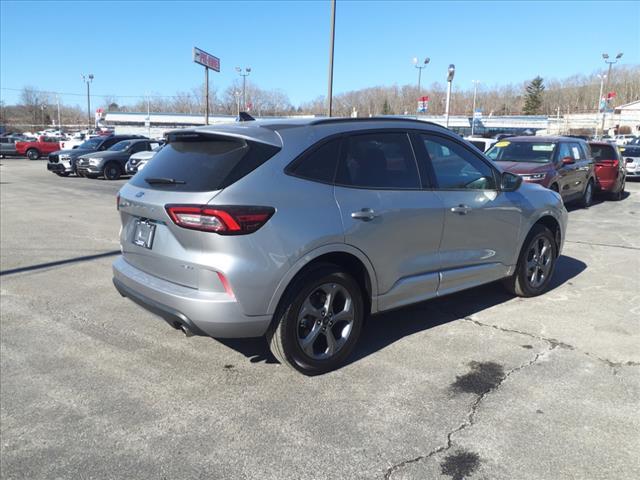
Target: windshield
{"x":121,"y":146}
{"x":534,"y":152}
{"x":91,"y":144}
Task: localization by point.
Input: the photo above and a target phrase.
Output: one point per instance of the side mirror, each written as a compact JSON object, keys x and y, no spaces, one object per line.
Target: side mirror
{"x":510,"y":182}
{"x":568,"y":161}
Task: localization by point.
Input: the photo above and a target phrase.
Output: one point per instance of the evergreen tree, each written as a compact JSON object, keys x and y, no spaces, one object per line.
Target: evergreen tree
{"x":533,"y":97}
{"x":386,"y":108}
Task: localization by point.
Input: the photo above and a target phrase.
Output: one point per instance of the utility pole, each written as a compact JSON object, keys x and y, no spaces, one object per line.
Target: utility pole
{"x":88,"y":79}
{"x":473,"y":110}
{"x":58,"y":105}
{"x":333,"y":37}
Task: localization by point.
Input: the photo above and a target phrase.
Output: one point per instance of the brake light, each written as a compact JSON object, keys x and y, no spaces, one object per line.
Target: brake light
{"x":225,"y":220}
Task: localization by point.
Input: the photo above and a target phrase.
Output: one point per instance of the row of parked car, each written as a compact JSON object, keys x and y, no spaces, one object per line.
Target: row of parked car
{"x":105,"y":156}
{"x":572,"y":166}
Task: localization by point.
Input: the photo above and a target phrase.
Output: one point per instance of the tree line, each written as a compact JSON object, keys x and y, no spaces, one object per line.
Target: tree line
{"x":575,"y":94}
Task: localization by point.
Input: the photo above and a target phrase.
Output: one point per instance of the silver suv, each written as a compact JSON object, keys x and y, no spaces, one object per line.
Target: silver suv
{"x":298,"y":230}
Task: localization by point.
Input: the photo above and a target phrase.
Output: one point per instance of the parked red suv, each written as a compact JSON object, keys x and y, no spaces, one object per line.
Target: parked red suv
{"x":611,"y":173}
{"x":563,"y":164}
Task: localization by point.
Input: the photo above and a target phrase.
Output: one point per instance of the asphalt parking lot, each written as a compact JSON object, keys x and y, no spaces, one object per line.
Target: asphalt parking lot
{"x":477,"y":385}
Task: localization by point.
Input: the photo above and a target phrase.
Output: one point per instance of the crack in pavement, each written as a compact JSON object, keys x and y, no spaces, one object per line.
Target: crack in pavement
{"x":553,"y":341}
{"x":471,"y":414}
{"x":602,"y":245}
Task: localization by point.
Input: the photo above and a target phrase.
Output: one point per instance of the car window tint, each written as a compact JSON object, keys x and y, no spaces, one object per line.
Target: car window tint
{"x":603,"y":152}
{"x":320,"y":163}
{"x":456,"y":167}
{"x":379,"y":160}
{"x":564,"y":151}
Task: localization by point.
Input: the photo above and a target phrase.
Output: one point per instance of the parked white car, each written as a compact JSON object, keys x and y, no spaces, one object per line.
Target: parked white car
{"x":624,"y":139}
{"x":482,"y":144}
{"x":137,"y":161}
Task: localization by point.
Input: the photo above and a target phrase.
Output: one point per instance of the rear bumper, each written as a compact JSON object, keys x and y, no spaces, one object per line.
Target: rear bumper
{"x":204,"y":313}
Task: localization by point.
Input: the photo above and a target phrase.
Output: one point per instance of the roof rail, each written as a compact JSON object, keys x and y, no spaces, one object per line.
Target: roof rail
{"x":323,"y":121}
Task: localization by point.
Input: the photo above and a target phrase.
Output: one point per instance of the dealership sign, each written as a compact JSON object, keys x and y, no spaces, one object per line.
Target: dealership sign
{"x":206,"y":59}
{"x":423,"y":104}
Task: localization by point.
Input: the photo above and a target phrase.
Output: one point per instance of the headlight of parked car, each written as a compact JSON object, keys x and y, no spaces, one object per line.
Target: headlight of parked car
{"x":534,"y":176}
{"x":94,"y":161}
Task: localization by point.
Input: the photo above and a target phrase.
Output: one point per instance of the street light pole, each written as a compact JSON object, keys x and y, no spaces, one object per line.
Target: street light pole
{"x":473,"y":110}
{"x":450,"y":73}
{"x":333,"y":37}
{"x":244,"y":73}
{"x":602,"y":78}
{"x":605,"y":57}
{"x":420,"y":67}
{"x":88,"y":79}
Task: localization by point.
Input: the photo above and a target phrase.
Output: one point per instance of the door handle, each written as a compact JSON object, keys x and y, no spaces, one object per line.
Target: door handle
{"x":461,"y":209}
{"x":365,"y":214}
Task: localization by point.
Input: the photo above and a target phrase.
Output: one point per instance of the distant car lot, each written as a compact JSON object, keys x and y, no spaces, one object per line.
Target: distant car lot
{"x":478,"y":384}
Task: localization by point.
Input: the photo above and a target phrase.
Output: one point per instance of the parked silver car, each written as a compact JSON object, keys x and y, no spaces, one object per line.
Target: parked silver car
{"x":299,"y":229}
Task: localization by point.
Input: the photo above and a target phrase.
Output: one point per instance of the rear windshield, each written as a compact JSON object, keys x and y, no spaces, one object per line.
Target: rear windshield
{"x":201,"y":163}
{"x":535,"y":152}
{"x":91,"y":144}
{"x":603,"y":152}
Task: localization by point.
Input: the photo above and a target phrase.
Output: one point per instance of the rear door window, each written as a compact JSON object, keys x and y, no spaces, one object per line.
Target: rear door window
{"x":201,"y":163}
{"x":319,"y":164}
{"x":378,"y":161}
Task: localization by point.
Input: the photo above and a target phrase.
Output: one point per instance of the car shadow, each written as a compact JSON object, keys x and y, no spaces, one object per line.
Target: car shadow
{"x":387,"y":328}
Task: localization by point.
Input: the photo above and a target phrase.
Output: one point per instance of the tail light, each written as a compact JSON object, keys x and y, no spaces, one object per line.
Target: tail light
{"x":224,"y":220}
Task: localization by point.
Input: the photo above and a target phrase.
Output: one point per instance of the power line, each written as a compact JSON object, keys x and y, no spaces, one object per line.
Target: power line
{"x":74,"y":94}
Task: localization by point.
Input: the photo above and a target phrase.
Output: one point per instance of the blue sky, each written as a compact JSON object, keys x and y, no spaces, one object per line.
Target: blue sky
{"x":138,"y":47}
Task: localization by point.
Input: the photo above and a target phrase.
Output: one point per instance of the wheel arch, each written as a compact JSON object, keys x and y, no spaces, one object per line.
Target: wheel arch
{"x":352,"y":259}
{"x":551,"y":222}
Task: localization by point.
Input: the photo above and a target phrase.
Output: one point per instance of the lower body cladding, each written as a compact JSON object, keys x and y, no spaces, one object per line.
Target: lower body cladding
{"x":216,"y":314}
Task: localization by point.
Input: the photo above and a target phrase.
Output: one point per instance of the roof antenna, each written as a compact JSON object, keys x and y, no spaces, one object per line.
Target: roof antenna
{"x":245,"y":117}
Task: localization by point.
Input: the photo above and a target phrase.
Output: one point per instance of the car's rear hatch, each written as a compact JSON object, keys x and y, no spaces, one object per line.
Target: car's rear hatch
{"x":191,"y":171}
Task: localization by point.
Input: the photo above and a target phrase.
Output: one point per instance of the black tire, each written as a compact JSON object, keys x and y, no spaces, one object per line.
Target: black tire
{"x":587,"y":195}
{"x":290,"y":321}
{"x":619,"y":195}
{"x":92,"y":176}
{"x":112,"y":171}
{"x":33,"y":154}
{"x":520,"y":283}
{"x":62,"y":174}
{"x":555,"y":188}
{"x":80,"y":174}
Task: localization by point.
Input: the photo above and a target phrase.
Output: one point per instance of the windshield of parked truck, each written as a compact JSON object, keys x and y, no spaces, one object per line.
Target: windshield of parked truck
{"x":534,"y":152}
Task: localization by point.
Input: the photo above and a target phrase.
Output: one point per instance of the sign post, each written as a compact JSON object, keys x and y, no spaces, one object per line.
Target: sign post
{"x":208,"y":61}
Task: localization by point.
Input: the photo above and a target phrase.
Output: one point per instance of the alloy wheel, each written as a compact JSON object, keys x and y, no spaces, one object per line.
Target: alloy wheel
{"x":539,"y":262}
{"x":325,"y":321}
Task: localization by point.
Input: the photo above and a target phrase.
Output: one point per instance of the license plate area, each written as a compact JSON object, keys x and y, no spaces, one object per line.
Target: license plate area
{"x":144,"y":233}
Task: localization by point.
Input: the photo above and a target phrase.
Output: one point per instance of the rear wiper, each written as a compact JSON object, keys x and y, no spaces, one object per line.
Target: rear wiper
{"x":164,"y":181}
